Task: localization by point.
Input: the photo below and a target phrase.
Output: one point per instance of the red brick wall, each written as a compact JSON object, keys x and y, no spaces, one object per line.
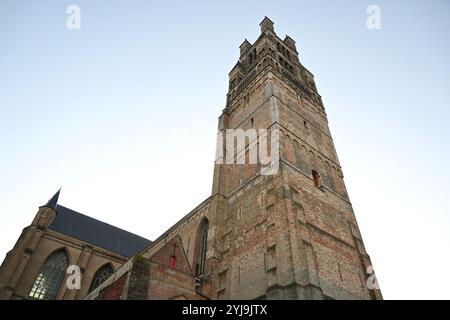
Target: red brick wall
{"x":173,"y":248}
{"x":114,"y":291}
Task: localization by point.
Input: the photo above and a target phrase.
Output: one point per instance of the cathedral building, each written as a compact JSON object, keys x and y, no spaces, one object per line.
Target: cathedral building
{"x":278,"y":229}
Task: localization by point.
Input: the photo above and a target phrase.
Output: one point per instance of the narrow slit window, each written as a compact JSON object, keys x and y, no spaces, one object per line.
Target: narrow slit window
{"x":172,"y":262}
{"x":315,"y":177}
{"x":201,"y":247}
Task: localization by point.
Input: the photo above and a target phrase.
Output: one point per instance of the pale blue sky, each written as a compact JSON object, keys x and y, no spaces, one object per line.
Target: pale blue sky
{"x":123,"y":114}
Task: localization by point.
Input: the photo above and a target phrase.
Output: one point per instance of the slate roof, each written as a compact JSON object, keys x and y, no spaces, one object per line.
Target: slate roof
{"x":96,"y":232}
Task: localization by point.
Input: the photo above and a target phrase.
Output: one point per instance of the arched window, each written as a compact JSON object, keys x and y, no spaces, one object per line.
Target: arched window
{"x":101,"y":275}
{"x":48,"y":281}
{"x":201,"y":246}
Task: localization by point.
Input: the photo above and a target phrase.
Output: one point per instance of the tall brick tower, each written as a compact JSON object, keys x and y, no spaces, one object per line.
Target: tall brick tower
{"x":291,"y":234}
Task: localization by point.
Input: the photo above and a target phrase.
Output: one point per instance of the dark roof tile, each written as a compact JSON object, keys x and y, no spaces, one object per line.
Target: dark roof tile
{"x":96,"y":232}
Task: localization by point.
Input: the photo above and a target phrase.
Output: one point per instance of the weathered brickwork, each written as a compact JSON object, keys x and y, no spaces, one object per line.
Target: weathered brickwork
{"x":166,"y":275}
{"x":285,"y":236}
{"x":113,"y":291}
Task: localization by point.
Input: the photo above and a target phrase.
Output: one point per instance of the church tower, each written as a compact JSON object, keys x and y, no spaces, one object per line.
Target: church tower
{"x":290,"y":232}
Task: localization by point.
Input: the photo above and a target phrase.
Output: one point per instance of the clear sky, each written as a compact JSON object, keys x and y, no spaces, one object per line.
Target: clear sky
{"x":123,"y":114}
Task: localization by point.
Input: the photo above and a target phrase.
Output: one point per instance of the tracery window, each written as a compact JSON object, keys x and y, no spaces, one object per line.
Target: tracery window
{"x":101,"y":275}
{"x":48,"y":281}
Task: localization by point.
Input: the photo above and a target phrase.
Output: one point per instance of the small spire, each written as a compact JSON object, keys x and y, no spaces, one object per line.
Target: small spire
{"x":244,"y":46}
{"x":245,"y":43}
{"x":53,"y":201}
{"x":290,"y":42}
{"x":266,"y":25}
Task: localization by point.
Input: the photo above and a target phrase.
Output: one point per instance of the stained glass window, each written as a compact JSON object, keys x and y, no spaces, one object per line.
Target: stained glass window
{"x":101,"y":275}
{"x":48,"y":280}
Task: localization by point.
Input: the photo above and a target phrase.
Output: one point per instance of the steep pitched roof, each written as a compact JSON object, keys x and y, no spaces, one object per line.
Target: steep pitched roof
{"x":96,"y":232}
